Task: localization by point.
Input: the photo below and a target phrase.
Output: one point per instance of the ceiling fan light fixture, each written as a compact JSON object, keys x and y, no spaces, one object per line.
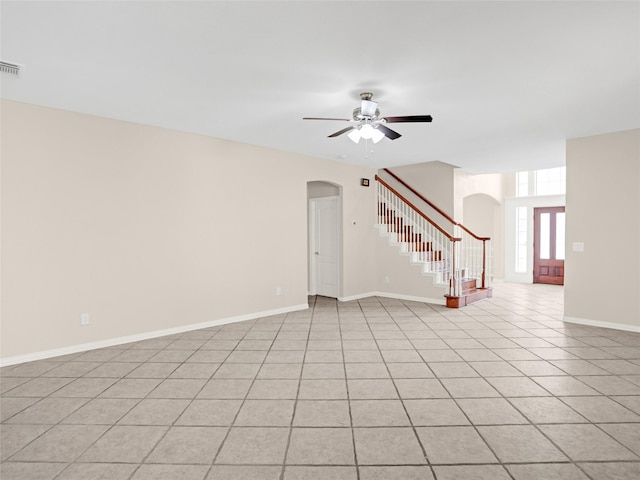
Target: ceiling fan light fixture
{"x":366,"y":131}
{"x":376,"y":135}
{"x":354,"y":135}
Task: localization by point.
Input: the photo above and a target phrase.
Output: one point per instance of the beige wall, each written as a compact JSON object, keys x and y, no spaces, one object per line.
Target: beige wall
{"x":434,"y":180}
{"x":397,"y":277}
{"x":602,"y":285}
{"x":322,"y":189}
{"x":495,"y":185}
{"x":148,"y":229}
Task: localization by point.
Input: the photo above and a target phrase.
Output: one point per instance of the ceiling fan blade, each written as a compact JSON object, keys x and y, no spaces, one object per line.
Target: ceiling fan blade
{"x":390,"y":134}
{"x":409,"y":118}
{"x":321,"y":118}
{"x":340,"y":132}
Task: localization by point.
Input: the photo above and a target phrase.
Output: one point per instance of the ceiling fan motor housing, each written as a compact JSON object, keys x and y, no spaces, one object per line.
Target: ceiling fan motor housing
{"x":368,"y":108}
{"x":358,"y":115}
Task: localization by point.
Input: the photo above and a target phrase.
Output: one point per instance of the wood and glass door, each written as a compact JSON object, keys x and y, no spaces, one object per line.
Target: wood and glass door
{"x":548,"y":245}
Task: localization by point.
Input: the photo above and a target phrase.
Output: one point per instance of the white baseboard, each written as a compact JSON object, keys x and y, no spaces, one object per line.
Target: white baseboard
{"x":398,"y":296}
{"x":413,"y":298}
{"x":359,"y":296}
{"x":599,"y":323}
{"x":57,"y":352}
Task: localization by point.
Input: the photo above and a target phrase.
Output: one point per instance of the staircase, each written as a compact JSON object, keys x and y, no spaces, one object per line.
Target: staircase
{"x":412,"y":242}
{"x":454,"y":257}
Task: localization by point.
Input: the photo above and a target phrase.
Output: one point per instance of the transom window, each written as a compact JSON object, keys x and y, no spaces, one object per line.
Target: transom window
{"x":550,"y":181}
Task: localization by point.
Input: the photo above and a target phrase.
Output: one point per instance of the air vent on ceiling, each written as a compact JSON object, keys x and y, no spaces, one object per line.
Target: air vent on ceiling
{"x":10,"y":68}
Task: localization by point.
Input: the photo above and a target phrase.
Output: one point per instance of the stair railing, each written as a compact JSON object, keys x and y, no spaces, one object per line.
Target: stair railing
{"x":475,"y":253}
{"x":425,"y":240}
{"x":472,"y":253}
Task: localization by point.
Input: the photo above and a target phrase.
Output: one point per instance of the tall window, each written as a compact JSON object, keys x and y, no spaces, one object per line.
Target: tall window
{"x":521,"y":239}
{"x":560,"y":230}
{"x":522,"y":184}
{"x":551,"y":181}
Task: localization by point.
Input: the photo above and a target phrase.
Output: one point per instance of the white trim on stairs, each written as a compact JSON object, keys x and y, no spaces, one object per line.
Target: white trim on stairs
{"x":56,"y":352}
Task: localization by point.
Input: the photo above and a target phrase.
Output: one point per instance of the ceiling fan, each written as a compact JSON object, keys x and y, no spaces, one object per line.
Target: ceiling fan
{"x":368,"y":124}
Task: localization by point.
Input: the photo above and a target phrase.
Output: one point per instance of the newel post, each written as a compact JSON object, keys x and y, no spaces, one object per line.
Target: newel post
{"x":484,"y":261}
{"x":454,"y":269}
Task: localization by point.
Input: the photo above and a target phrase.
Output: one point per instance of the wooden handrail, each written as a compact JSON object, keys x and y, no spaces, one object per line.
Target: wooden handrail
{"x":417,"y":210}
{"x":421,"y":197}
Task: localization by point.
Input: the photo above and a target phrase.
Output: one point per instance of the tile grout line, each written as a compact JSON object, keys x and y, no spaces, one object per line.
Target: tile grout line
{"x":404,"y":407}
{"x":139,"y":400}
{"x":295,"y":403}
{"x":232,"y":423}
{"x":346,"y":381}
{"x":184,"y":362}
{"x":471,"y":424}
{"x":536,"y":425}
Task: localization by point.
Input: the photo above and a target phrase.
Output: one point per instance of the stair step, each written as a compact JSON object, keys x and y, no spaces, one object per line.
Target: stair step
{"x":422,"y":246}
{"x":406,"y":234}
{"x":472,"y":296}
{"x":468,"y":284}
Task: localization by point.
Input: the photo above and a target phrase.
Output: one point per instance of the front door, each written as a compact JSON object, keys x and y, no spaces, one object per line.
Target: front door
{"x":548,"y":245}
{"x":324,"y":233}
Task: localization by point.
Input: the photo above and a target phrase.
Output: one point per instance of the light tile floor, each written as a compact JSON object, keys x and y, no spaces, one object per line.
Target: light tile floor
{"x":371,"y":389}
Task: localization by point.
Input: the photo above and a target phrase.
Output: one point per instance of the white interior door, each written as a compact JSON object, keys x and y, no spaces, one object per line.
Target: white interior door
{"x":325,"y":252}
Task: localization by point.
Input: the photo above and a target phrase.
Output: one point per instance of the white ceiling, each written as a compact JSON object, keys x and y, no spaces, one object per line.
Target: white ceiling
{"x":506,"y":82}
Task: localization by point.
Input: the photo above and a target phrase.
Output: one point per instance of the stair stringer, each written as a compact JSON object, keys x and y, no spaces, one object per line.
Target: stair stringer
{"x":406,"y":275}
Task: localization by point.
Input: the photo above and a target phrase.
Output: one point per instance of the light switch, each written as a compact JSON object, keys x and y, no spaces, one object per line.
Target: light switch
{"x":578,"y":246}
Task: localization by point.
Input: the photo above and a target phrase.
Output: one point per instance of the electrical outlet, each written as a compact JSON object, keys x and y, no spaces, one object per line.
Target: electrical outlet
{"x":387,"y":280}
{"x":278,"y":291}
{"x":84,"y":319}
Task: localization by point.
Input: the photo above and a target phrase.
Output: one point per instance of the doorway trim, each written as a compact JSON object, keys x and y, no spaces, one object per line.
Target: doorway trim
{"x":549,"y":270}
{"x":317,"y":190}
{"x":510,"y":206}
